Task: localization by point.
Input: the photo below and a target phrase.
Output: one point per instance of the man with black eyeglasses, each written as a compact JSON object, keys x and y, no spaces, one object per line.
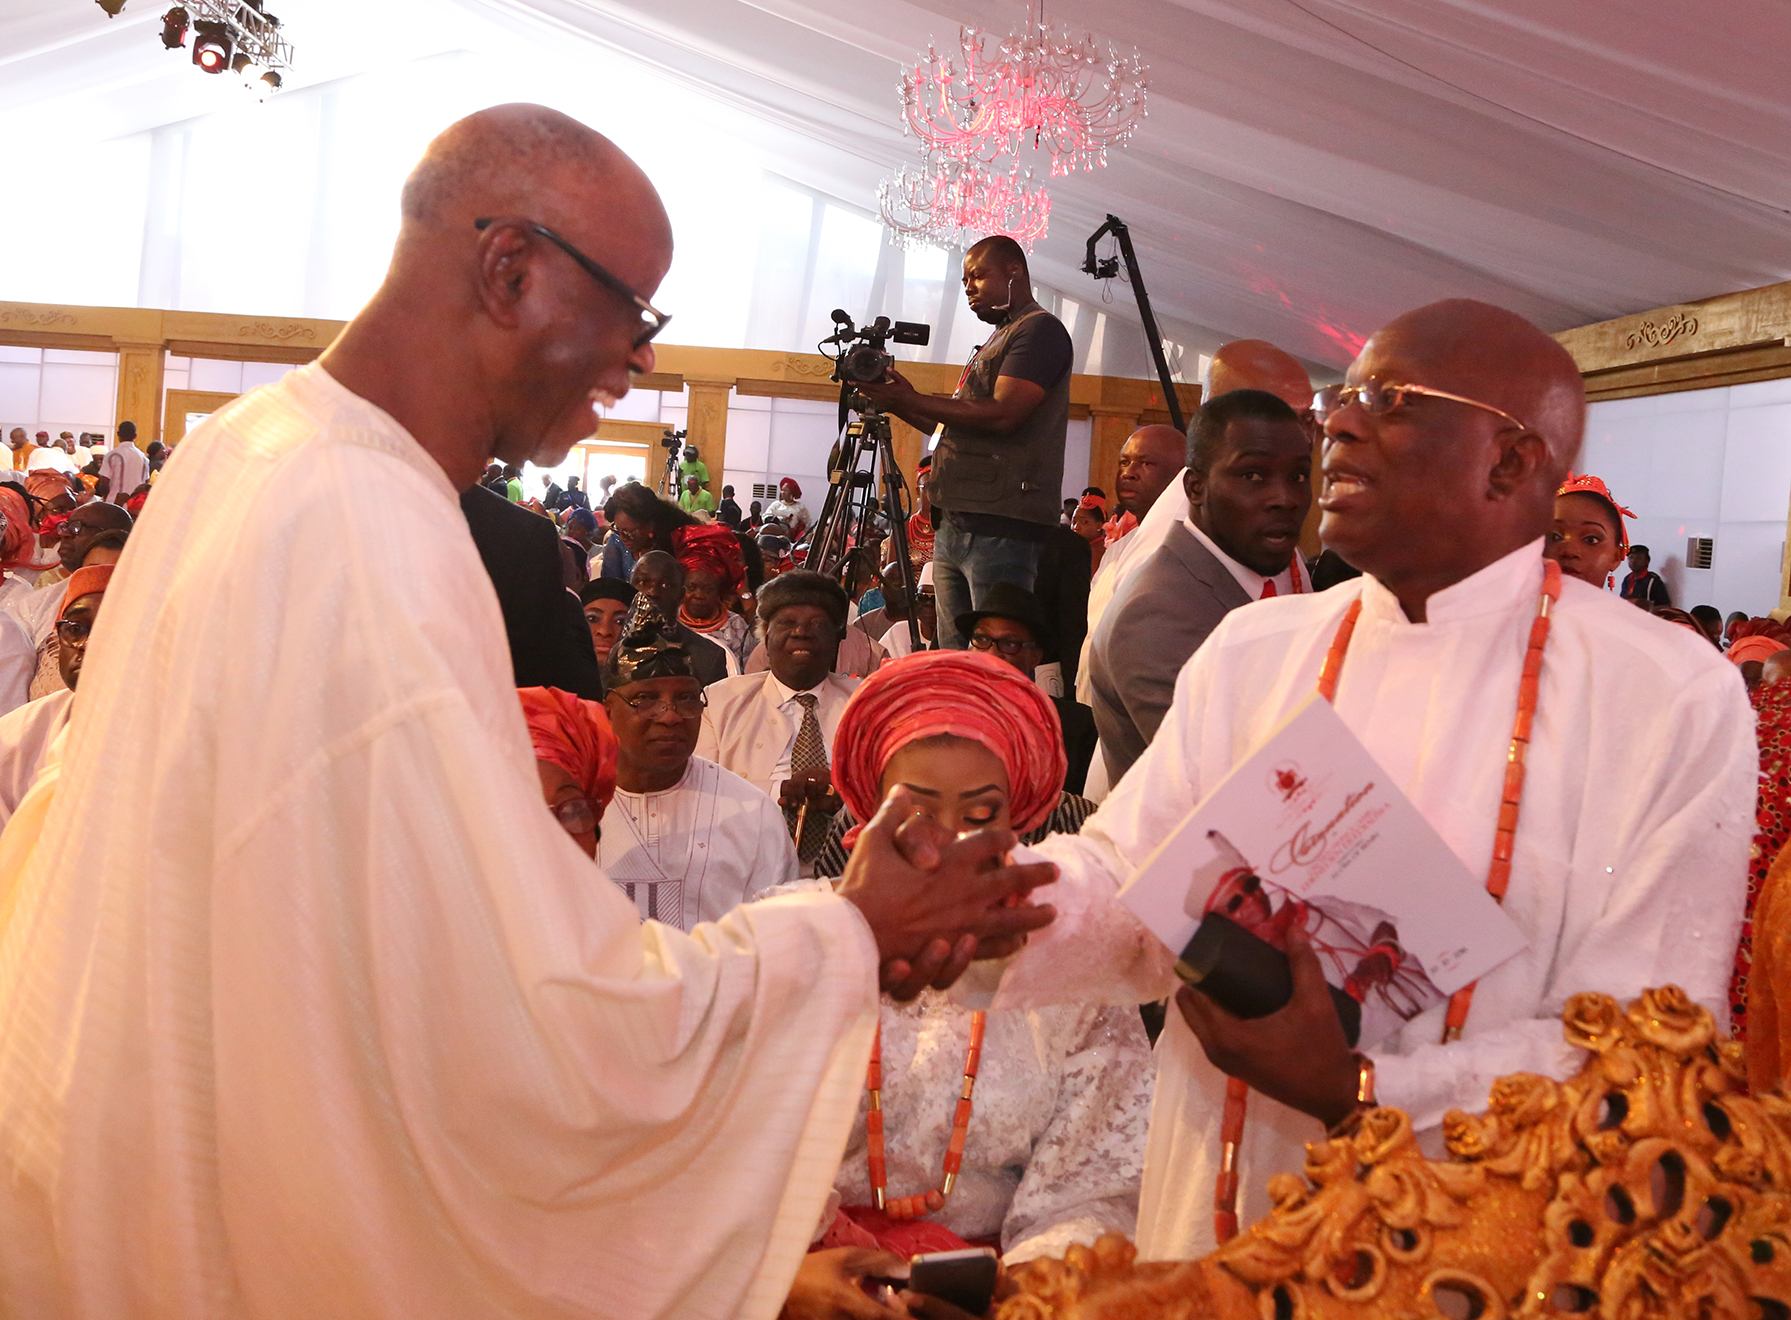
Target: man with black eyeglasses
{"x":332,"y":982}
{"x":26,"y":731}
{"x":1011,"y":625}
{"x":684,"y":838}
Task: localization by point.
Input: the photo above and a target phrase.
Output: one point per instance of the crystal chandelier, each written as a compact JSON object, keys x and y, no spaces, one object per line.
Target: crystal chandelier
{"x":950,"y":203}
{"x":1039,"y":88}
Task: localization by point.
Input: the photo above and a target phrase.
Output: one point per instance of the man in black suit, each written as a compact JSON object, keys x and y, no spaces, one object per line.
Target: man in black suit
{"x":1012,"y":626}
{"x":1249,"y":484}
{"x":550,"y":643}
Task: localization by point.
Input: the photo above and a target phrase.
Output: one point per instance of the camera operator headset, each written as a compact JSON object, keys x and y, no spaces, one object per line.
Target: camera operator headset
{"x":998,"y":463}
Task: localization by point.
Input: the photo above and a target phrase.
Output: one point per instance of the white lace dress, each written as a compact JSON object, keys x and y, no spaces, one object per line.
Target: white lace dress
{"x":1056,"y":1142}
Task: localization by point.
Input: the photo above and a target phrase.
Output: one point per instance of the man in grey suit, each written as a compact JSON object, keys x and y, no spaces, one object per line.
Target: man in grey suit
{"x":1249,"y":484}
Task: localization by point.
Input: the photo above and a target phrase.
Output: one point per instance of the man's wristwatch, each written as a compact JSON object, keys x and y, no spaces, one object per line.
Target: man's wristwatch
{"x":1347,"y":1125}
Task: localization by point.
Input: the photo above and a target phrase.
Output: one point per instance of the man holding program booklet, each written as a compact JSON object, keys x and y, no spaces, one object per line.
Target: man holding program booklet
{"x":1556,"y":794}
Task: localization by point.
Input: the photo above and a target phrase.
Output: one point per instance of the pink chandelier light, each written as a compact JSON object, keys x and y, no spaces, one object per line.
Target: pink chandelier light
{"x":951,"y":203}
{"x":1040,"y":93}
{"x":1040,"y":88}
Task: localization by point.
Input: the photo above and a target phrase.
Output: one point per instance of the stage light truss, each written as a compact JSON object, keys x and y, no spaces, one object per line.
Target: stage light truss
{"x":231,"y":36}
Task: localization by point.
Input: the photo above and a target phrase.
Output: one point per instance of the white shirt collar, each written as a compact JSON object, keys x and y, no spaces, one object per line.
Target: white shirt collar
{"x":1507,"y":583}
{"x":1249,"y":581}
{"x":787,"y":695}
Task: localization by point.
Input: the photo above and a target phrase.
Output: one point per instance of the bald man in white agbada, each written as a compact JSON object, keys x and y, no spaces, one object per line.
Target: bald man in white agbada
{"x":308,"y":1008}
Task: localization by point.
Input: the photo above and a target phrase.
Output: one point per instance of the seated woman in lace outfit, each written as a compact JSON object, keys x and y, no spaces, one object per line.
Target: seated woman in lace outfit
{"x":1055,"y":1139}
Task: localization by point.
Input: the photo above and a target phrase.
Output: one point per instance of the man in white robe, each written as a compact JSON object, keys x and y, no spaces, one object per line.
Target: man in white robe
{"x":685,"y":839}
{"x":27,"y":731}
{"x":287,"y":1028}
{"x":1637,"y":814}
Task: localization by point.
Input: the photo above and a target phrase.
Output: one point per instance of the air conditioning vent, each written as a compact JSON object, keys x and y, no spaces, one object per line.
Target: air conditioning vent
{"x":760,"y":491}
{"x":1700,"y":551}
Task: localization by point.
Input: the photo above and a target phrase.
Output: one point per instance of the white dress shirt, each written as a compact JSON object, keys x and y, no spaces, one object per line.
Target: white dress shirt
{"x":1288,"y":581}
{"x":1630,"y":858}
{"x":751,"y":722}
{"x":697,"y":850}
{"x":25,"y":732}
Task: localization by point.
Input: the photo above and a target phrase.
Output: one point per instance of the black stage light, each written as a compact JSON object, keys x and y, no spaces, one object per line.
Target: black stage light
{"x":240,"y":62}
{"x":211,"y":46}
{"x":271,"y":81}
{"x":110,"y":6}
{"x":174,"y":28}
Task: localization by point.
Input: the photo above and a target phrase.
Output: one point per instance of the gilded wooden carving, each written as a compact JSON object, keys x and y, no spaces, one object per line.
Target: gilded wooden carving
{"x":1680,"y":325}
{"x":281,"y":333}
{"x":1650,"y":1185}
{"x":22,"y":316}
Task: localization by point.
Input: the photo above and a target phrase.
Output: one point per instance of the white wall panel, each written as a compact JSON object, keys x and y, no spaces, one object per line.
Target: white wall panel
{"x":217,"y":375}
{"x":749,"y":440}
{"x":1075,"y":459}
{"x":77,"y":398}
{"x":257,"y":374}
{"x":1713,"y":463}
{"x":1757,"y":464}
{"x":19,"y":383}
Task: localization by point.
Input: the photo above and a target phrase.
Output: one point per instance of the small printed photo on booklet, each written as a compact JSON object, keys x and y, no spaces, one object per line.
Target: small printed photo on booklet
{"x":1310,"y":830}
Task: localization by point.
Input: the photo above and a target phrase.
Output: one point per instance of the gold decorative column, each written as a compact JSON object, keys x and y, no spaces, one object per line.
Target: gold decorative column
{"x":140,"y":389}
{"x":1107,"y":436}
{"x":707,"y":424}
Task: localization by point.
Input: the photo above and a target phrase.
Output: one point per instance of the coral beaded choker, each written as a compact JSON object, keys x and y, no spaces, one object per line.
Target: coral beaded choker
{"x":1498,"y":874}
{"x":922,"y":1203}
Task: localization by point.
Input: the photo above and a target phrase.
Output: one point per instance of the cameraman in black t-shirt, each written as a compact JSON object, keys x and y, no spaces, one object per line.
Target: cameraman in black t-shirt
{"x":998,"y":468}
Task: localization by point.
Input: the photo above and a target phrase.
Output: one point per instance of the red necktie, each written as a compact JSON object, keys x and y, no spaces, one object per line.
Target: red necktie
{"x":1268,"y":589}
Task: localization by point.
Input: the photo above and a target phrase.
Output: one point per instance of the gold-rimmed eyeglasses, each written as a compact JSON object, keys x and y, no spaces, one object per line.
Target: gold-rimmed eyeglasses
{"x":1379,"y":398}
{"x":652,"y":319}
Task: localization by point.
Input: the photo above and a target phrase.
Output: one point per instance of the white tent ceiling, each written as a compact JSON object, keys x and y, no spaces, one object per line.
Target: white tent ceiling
{"x":1309,"y":167}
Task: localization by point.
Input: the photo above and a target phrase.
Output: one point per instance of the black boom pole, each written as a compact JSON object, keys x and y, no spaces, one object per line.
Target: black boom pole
{"x":1106,"y":270}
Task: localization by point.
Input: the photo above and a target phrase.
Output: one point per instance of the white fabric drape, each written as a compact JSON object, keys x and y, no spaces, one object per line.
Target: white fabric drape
{"x":1306,"y":171}
{"x":307,"y":1007}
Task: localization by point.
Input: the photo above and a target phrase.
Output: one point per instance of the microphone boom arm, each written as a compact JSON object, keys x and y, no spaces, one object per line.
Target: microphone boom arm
{"x":1105,"y":270}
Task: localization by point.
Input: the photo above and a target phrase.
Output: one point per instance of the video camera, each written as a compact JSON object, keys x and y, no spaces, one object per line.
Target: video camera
{"x":672,"y":439}
{"x":862,"y":358}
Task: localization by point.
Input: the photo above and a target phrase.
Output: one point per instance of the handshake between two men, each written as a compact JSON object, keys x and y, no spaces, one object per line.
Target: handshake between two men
{"x":936,"y":902}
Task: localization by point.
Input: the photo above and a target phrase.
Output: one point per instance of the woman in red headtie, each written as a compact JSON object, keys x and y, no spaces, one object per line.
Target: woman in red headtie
{"x":575,"y":755}
{"x":714,"y":577}
{"x":1052,"y":1138}
{"x":18,"y":543}
{"x":1589,"y":537}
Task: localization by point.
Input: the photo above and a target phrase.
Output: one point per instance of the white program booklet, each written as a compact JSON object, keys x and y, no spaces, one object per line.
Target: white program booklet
{"x":1311,"y":829}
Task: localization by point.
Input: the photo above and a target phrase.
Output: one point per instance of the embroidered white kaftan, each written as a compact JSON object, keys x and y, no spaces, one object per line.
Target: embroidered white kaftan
{"x":696,"y":850}
{"x":1630,"y":861}
{"x":1057,"y":1134}
{"x":307,"y":1006}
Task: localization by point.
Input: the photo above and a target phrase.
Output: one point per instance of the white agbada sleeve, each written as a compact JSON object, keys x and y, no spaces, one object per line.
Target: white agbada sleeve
{"x":331,"y":1019}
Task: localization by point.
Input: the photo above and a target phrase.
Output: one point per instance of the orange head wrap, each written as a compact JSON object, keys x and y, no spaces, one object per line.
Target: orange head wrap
{"x":573,"y":734}
{"x":1585,"y":483}
{"x":1756,"y":647}
{"x":18,"y":546}
{"x":714,"y":547}
{"x":46,"y":484}
{"x":959,"y":692}
{"x":85,"y":582}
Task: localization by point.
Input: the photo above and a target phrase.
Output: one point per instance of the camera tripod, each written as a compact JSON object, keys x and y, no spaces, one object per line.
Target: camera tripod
{"x":670,"y":486}
{"x":864,"y":450}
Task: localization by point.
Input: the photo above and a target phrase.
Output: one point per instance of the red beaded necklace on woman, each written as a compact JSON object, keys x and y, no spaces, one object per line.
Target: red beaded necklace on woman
{"x":932,"y":1200}
{"x":1498,"y":874}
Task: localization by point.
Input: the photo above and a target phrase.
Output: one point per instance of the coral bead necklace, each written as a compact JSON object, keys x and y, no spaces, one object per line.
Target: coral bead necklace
{"x":1498,"y":875}
{"x":923,"y":1203}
